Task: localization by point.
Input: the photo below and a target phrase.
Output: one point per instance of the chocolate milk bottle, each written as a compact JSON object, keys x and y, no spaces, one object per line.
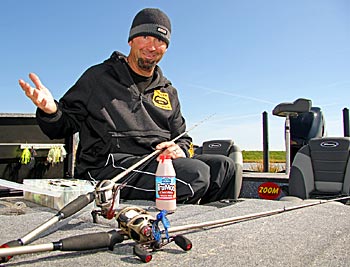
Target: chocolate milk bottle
{"x":165,"y":184}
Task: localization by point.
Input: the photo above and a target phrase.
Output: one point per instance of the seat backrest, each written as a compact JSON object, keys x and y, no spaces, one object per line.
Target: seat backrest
{"x":307,"y":125}
{"x":322,"y":167}
{"x":231,"y":150}
{"x":221,"y":147}
{"x":224,"y":147}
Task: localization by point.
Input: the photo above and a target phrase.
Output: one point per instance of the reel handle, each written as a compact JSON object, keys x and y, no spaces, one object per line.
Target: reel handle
{"x":183,"y":242}
{"x":142,"y":253}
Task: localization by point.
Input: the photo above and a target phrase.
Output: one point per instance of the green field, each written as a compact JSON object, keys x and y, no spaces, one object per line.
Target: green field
{"x":257,"y":156}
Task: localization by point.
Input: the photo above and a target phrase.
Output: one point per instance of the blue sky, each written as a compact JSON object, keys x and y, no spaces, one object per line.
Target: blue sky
{"x":232,"y":58}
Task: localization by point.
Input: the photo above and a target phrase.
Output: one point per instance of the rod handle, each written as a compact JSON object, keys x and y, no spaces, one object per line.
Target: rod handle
{"x":89,"y":241}
{"x":10,"y":244}
{"x":77,"y":204}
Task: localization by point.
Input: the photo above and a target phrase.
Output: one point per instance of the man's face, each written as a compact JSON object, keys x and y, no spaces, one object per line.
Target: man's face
{"x":146,"y":52}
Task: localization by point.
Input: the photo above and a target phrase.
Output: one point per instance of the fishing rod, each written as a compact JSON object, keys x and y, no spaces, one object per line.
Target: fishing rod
{"x":106,"y":191}
{"x":103,"y":195}
{"x":139,"y":225}
{"x":223,"y":222}
{"x":74,"y":243}
{"x":67,"y":211}
{"x":135,"y":223}
{"x":156,"y":152}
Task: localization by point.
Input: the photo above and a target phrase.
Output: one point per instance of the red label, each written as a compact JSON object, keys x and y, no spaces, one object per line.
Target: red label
{"x":269,"y":190}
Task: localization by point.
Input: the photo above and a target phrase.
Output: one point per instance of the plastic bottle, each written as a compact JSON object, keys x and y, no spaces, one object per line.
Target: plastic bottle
{"x":166,"y":184}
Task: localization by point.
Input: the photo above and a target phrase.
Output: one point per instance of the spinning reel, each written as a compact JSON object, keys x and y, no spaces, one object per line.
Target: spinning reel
{"x":106,"y":196}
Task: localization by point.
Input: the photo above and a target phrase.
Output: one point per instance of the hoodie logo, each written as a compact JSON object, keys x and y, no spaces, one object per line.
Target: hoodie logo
{"x":161,"y":100}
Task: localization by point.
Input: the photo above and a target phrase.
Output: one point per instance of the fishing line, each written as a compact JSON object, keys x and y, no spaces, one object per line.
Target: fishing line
{"x":155,"y":153}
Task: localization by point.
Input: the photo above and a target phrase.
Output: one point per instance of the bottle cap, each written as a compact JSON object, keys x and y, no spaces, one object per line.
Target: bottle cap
{"x":164,"y":157}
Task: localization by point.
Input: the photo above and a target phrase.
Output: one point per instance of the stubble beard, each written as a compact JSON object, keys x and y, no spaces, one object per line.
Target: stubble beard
{"x":146,"y":65}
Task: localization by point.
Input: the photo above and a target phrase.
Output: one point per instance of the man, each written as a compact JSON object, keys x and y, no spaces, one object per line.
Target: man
{"x":124,"y":109}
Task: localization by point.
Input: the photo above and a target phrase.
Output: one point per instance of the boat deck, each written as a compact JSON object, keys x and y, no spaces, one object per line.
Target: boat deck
{"x":311,"y":236}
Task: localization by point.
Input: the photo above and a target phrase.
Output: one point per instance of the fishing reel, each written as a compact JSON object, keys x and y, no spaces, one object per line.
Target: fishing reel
{"x":106,"y":198}
{"x":136,"y":223}
{"x":142,"y":227}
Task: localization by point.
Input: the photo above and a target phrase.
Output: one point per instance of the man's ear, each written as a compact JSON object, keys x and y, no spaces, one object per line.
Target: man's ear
{"x":130,"y":42}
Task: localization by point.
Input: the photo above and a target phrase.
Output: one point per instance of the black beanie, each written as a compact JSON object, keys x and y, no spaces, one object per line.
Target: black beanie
{"x":153,"y":22}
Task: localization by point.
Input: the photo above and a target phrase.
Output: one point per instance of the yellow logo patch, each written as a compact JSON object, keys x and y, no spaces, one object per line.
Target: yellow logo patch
{"x":161,"y":100}
{"x":191,"y":150}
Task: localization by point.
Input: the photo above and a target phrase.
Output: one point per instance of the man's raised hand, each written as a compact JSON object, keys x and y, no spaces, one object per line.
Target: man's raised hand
{"x":39,"y":94}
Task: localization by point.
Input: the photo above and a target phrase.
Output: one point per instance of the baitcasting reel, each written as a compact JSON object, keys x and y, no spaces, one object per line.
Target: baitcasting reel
{"x":136,"y":223}
{"x":142,"y":227}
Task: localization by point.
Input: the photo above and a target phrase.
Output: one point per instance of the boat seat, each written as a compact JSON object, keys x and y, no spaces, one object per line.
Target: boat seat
{"x":289,"y":110}
{"x":229,"y":149}
{"x":321,"y":169}
{"x":292,"y":109}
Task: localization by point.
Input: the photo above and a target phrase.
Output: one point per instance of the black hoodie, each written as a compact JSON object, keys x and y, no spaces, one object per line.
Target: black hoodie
{"x":112,"y":116}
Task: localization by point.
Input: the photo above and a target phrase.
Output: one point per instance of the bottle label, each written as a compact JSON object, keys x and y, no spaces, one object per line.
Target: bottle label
{"x":165,"y":188}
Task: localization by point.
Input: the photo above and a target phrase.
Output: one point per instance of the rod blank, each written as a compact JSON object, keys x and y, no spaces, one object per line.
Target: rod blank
{"x":227,"y":221}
